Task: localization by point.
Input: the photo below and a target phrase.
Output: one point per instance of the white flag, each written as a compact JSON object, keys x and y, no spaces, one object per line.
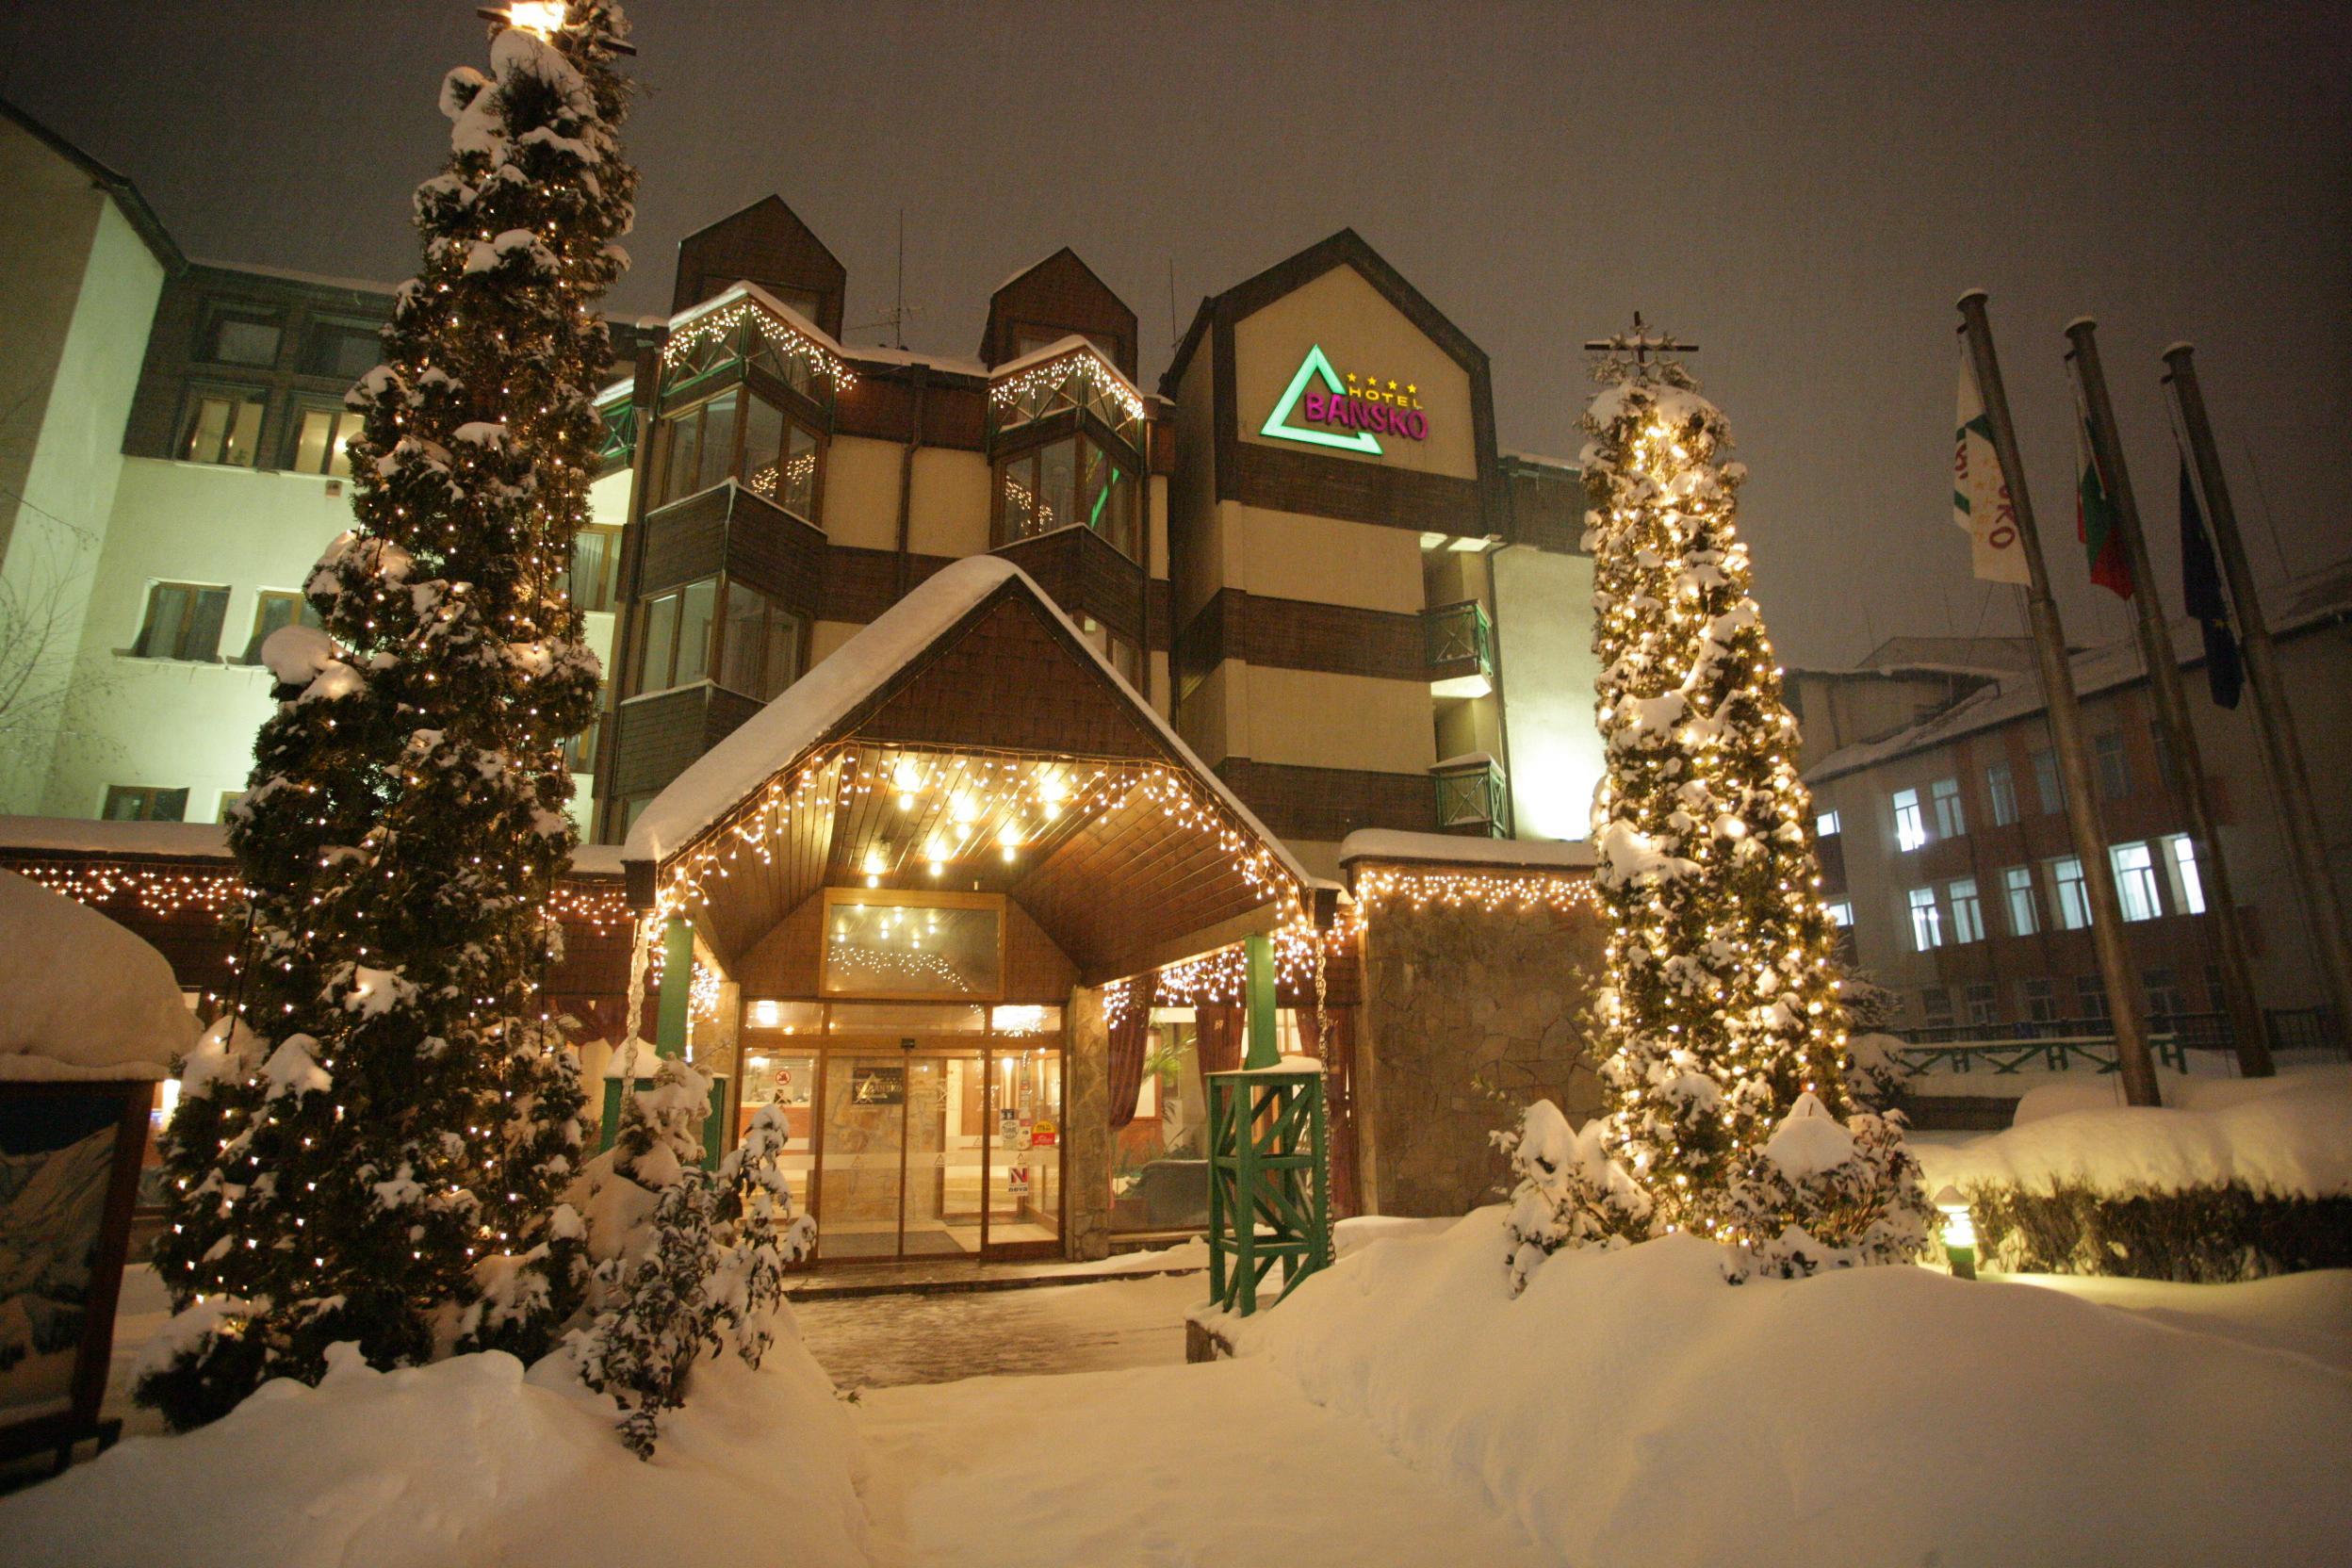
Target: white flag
{"x":1980,"y":494}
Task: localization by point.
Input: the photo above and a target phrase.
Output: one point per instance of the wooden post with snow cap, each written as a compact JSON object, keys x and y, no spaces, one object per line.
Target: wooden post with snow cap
{"x":2172,"y":708}
{"x":2066,"y":723}
{"x":2282,"y":748}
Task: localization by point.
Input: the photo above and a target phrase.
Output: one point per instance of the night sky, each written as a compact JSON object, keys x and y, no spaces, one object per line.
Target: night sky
{"x":1803,"y":190}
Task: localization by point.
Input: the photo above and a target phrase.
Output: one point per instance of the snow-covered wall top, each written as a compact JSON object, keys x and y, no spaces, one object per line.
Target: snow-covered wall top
{"x":84,"y":997}
{"x":1387,"y":843}
{"x":771,"y":740}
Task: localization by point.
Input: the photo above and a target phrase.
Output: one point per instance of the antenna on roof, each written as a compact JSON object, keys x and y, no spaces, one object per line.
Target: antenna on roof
{"x":896,"y":318}
{"x":1639,"y":344}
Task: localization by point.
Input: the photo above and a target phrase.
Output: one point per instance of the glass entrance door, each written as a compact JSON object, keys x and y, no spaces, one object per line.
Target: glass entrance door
{"x":862,"y":1157}
{"x":1025,"y":1152}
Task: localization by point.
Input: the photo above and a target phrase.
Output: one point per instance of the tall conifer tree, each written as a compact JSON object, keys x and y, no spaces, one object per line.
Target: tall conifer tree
{"x":388,"y":1131}
{"x":1722,"y":1009}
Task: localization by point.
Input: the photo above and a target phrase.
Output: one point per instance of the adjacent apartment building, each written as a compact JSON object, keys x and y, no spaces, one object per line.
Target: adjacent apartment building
{"x":1947,"y":859}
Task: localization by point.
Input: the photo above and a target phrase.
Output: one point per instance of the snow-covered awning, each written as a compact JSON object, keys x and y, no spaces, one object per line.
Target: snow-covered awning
{"x":969,"y":739}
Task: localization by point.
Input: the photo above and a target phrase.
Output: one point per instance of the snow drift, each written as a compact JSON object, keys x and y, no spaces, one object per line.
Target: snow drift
{"x":1632,"y":1408}
{"x":468,"y":1463}
{"x":86,"y":998}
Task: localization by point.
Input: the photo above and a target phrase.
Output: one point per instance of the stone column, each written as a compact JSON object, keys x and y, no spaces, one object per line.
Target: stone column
{"x":1087,"y":1129}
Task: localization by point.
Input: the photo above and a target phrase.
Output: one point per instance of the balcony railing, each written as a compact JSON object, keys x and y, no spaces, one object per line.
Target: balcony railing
{"x":1459,"y":643}
{"x":1472,"y":799}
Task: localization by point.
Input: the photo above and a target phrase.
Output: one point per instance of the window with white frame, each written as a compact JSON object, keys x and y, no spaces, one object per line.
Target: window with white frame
{"x":2002,"y":787}
{"x":2090,"y":997}
{"x":1826,"y":826}
{"x":1936,"y":1006}
{"x":2188,"y":887}
{"x":1841,"y":914}
{"x":1968,"y":910}
{"x":1927,"y":921}
{"x":2074,"y":895}
{"x":1910,"y":825}
{"x":2164,"y":1000}
{"x":1950,"y":821}
{"x":2136,"y":881}
{"x":2017,"y":892}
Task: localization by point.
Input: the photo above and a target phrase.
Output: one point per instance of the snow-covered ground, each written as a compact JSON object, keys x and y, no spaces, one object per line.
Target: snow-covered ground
{"x":1629,"y":1409}
{"x":1632,"y":1409}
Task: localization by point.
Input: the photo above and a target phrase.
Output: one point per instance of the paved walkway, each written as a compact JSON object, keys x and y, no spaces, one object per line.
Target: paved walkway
{"x":879,"y":1341}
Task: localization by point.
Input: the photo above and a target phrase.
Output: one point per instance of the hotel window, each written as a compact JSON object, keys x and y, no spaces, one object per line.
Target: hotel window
{"x":2016,"y":890}
{"x":345,"y":351}
{"x":1123,"y":653}
{"x":1841,"y":915}
{"x":697,"y":448}
{"x":2136,"y":881}
{"x":144,"y":803}
{"x":2039,"y":998}
{"x":780,"y":459}
{"x":596,"y":568}
{"x":2188,"y":887}
{"x":1927,"y":921}
{"x":2115,"y":771}
{"x":234,"y":337}
{"x":2074,"y":898}
{"x":1984,"y":1003}
{"x":1967,"y":912}
{"x":2090,"y":998}
{"x":579,"y":751}
{"x":1910,"y":826}
{"x":182,"y":622}
{"x":2165,"y":1001}
{"x":320,"y":435}
{"x":2048,"y":782}
{"x":1936,"y":1006}
{"x":674,"y":636}
{"x":1826,"y":826}
{"x":759,"y":653}
{"x":2003,"y":790}
{"x":222,"y":426}
{"x":889,"y":945}
{"x":1075,"y":480}
{"x":1951,"y":822}
{"x":273,"y":609}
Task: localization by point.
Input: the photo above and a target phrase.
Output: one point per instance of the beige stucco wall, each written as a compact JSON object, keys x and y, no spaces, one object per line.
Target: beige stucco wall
{"x":1288,"y":555}
{"x":78,"y":292}
{"x":1362,"y":334}
{"x":1311,"y":718}
{"x":950,"y":513}
{"x":861,"y":492}
{"x":1543,"y":627}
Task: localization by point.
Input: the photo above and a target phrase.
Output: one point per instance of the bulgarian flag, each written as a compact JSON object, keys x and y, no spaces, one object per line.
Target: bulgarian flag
{"x":2095,"y":520}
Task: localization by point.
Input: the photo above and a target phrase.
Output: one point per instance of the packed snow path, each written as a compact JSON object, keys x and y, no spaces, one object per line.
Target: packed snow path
{"x":877,"y":1341}
{"x":1157,"y":1467}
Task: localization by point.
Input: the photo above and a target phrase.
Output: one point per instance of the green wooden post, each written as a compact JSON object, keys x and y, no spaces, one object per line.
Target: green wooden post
{"x":1264,"y":1048}
{"x":677,"y":988}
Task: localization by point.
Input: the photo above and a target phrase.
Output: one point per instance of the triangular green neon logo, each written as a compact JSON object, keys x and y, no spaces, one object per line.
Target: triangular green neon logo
{"x":1278,"y":423}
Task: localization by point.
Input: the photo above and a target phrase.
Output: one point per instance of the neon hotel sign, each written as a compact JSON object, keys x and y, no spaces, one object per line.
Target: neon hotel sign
{"x":1317,"y":409}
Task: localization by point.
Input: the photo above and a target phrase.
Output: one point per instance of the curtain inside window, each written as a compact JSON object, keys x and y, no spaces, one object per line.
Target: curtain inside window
{"x":1131,"y":1034}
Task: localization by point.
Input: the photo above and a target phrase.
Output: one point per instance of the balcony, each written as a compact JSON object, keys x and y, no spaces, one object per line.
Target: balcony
{"x":1459,"y":643}
{"x":1472,"y":798}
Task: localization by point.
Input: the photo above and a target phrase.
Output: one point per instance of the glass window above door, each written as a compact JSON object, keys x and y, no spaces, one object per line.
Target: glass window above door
{"x":885,"y":948}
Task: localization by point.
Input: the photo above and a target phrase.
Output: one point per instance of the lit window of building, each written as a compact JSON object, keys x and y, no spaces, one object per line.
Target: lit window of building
{"x":182,"y":622}
{"x":1826,"y":826}
{"x":1950,"y":821}
{"x":2017,"y":888}
{"x":1967,"y":911}
{"x":2188,"y":887}
{"x":1927,"y":921}
{"x":1910,"y":825}
{"x":2074,"y":895}
{"x":2136,"y":881}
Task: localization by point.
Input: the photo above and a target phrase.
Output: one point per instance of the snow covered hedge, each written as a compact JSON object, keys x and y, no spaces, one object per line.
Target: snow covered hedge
{"x":2233,"y":1179}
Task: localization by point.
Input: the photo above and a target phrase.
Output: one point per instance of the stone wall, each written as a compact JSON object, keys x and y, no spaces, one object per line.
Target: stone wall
{"x":1087,"y":1129}
{"x":1468,"y":1015}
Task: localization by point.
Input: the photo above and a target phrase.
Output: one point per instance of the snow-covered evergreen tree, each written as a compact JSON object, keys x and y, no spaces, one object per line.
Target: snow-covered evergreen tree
{"x":1722,"y":1009}
{"x":389,"y":1134}
{"x":1570,"y":1193}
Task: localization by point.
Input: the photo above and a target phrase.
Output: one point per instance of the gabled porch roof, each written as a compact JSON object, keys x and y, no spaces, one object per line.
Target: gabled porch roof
{"x":971,"y":739}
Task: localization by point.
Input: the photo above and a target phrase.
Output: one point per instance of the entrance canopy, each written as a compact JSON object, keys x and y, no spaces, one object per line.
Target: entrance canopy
{"x":970,"y":740}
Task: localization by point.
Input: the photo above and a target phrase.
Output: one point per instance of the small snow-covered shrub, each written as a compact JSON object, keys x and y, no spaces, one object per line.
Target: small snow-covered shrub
{"x":1828,"y":1195}
{"x":1875,"y":1077}
{"x":699,"y":1268}
{"x":2198,"y":1235}
{"x":1570,"y":1192}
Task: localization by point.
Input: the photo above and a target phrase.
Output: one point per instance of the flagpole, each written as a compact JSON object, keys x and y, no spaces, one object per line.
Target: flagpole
{"x":2172,"y":707}
{"x":2065,"y":720}
{"x":2282,"y":750}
